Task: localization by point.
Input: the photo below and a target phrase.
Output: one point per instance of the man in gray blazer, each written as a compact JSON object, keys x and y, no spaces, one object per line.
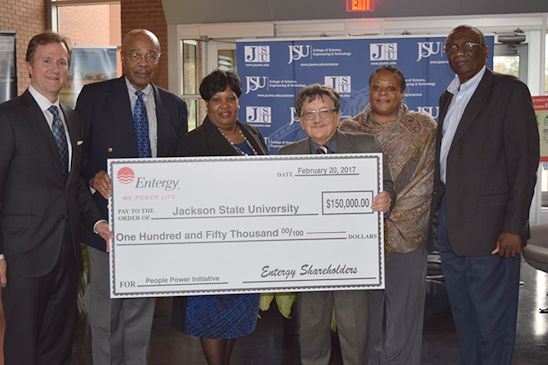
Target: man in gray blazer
{"x":318,"y":109}
{"x":486,"y":162}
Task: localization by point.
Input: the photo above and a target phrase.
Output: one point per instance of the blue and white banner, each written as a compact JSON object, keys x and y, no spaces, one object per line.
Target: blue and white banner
{"x":273,"y":72}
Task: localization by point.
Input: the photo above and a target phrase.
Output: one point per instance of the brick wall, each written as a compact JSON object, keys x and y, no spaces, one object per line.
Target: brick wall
{"x":148,"y":14}
{"x":26,"y":17}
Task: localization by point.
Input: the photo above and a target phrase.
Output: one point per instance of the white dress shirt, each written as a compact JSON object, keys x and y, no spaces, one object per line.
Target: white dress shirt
{"x":462,"y":93}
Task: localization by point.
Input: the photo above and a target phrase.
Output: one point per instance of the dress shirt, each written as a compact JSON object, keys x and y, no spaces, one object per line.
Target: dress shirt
{"x":44,"y":105}
{"x":148,"y":99}
{"x":462,"y":93}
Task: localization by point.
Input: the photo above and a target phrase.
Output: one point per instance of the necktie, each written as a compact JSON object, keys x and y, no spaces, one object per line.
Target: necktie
{"x":141,"y":126}
{"x":322,"y":150}
{"x":60,"y":138}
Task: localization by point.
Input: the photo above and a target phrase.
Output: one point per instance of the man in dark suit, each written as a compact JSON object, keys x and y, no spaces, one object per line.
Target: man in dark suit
{"x":318,"y":110}
{"x":42,"y":201}
{"x":487,"y":158}
{"x":128,"y":117}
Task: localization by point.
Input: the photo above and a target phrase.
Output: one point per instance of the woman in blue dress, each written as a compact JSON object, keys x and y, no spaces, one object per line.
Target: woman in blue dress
{"x":219,"y":319}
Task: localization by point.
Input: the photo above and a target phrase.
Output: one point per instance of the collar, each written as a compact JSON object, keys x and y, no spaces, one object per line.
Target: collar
{"x":331,"y":144}
{"x":455,"y":85}
{"x":43,"y":102}
{"x":147,"y":90}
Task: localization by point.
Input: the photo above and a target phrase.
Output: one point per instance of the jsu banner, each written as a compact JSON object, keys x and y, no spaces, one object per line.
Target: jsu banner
{"x":273,"y":72}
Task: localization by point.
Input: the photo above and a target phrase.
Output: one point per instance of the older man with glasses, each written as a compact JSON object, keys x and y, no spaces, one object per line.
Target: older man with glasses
{"x":128,"y":117}
{"x":318,"y":110}
{"x":486,"y":163}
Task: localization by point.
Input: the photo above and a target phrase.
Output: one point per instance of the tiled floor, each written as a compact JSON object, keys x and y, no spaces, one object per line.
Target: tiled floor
{"x":275,"y":341}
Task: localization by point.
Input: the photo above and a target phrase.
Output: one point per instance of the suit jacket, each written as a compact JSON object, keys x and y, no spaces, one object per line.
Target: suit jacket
{"x":38,"y":207}
{"x":109,"y":130}
{"x":349,"y":143}
{"x":491,"y":165}
{"x":206,"y":140}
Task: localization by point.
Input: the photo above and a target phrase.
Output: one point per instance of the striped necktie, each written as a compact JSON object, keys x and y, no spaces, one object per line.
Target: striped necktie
{"x":60,"y":139}
{"x":141,"y":126}
{"x":322,"y":150}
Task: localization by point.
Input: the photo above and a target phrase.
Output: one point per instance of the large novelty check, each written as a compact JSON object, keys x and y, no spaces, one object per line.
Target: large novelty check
{"x":187,"y":226}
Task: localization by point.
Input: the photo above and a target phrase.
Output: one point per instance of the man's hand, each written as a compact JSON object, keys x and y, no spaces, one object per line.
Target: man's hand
{"x":508,"y":245}
{"x":105,"y":233}
{"x":3,"y":273}
{"x":101,"y":182}
{"x":381,"y":203}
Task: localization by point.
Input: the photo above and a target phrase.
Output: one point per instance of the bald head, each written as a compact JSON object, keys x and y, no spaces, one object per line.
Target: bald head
{"x":142,"y":34}
{"x":140,"y":56}
{"x":466,"y":51}
{"x":469,"y":28}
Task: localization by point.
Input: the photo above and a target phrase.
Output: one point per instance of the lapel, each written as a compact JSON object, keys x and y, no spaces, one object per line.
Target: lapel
{"x":36,"y":117}
{"x":162,"y":125}
{"x":253,"y":138}
{"x":74,"y":136}
{"x":217,"y":141}
{"x":120,"y":108}
{"x":474,"y":105}
{"x":343,"y":143}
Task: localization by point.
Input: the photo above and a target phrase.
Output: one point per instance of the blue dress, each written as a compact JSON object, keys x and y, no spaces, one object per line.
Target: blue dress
{"x":226,"y":316}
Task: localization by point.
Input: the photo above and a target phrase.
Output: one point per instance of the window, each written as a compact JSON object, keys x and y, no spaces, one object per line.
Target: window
{"x":99,"y":55}
{"x":190,"y":81}
{"x":511,"y":59}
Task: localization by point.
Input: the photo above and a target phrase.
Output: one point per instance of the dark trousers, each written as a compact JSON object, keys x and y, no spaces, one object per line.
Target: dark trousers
{"x":41,"y":314}
{"x":483,"y":293}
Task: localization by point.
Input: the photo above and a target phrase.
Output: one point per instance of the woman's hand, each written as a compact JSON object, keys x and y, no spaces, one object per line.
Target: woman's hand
{"x":381,"y":202}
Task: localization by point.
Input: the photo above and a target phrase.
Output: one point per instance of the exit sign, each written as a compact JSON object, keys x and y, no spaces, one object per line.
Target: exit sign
{"x":355,"y":6}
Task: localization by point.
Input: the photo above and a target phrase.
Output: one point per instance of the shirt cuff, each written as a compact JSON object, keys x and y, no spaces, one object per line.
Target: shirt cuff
{"x":1,"y":256}
{"x":95,"y":225}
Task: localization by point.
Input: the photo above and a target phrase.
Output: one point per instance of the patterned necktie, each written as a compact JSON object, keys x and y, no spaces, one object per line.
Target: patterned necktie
{"x":141,"y":126}
{"x":60,"y":138}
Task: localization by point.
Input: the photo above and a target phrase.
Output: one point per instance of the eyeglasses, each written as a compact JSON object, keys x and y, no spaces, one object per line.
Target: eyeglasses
{"x":465,"y":47}
{"x":150,"y":58}
{"x":311,"y":114}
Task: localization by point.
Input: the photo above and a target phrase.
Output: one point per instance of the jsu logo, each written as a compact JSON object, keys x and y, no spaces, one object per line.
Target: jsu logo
{"x":296,"y":52}
{"x":434,"y":111}
{"x":257,"y":54}
{"x":342,"y":84}
{"x":293,"y":117}
{"x":427,"y":49}
{"x":254,"y":83}
{"x":383,"y":51}
{"x":258,"y":114}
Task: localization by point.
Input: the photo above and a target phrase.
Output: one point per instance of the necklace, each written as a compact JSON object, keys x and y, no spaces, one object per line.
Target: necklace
{"x":236,"y":147}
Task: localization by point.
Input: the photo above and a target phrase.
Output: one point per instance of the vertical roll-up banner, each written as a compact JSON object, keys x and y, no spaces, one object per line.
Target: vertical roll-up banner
{"x":540,"y":104}
{"x":88,"y":65}
{"x":274,"y":71}
{"x":8,"y":66}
